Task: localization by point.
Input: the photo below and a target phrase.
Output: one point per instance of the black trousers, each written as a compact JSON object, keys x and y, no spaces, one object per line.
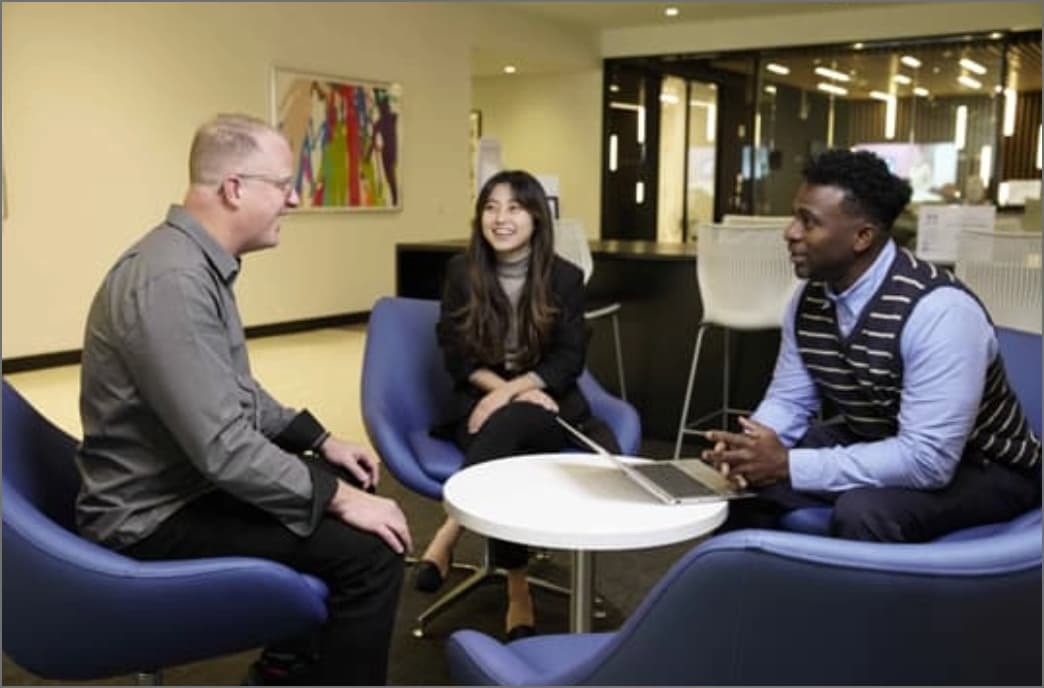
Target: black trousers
{"x":520,"y":428}
{"x":363,"y":574}
{"x":977,"y":494}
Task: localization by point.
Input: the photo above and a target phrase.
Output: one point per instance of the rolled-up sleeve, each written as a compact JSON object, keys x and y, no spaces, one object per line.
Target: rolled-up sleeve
{"x":178,"y":351}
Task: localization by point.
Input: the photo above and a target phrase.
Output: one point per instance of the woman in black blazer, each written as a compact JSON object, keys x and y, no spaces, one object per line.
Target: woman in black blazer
{"x":511,"y":329}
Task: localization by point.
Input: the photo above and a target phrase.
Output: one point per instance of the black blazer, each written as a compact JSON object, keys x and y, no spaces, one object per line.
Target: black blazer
{"x":559,"y":366}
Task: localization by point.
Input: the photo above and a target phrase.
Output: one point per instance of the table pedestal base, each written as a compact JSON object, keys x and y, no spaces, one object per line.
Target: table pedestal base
{"x":583,"y":590}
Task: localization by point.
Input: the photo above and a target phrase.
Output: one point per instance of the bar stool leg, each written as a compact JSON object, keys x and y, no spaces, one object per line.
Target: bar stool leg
{"x":688,"y":390}
{"x":725,"y":380}
{"x":619,"y":357}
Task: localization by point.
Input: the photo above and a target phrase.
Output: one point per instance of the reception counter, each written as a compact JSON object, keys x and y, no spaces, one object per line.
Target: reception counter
{"x":656,"y":285}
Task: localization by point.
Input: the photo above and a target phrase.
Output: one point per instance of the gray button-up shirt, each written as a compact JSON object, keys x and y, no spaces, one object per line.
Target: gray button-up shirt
{"x":170,"y":410}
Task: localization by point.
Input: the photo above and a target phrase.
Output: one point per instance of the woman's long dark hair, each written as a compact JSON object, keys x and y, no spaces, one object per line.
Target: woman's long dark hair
{"x":482,"y":323}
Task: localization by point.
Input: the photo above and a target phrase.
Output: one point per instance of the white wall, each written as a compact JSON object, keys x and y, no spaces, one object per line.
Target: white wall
{"x":100,"y":102}
{"x":550,"y":124}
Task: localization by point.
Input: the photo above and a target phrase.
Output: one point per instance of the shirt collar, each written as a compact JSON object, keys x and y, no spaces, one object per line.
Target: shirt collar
{"x":866,"y":285}
{"x":227,"y":265}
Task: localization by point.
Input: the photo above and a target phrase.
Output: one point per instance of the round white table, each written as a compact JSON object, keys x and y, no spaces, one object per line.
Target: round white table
{"x":578,"y":502}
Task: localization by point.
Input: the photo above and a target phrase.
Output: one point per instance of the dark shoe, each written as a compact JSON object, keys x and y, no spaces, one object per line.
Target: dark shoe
{"x":429,"y":577}
{"x":278,"y":669}
{"x":520,"y":631}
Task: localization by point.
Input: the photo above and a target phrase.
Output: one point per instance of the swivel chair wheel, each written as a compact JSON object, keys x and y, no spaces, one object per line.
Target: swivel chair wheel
{"x":418,"y":632}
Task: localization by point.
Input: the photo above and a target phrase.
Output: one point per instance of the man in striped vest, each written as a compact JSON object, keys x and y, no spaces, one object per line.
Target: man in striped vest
{"x":928,"y":436}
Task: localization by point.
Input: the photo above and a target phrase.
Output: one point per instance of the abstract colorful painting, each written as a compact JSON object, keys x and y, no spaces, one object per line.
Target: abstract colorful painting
{"x":345,"y":136}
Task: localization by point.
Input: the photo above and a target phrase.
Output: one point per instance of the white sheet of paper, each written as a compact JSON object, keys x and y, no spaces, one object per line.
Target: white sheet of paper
{"x":939,"y":227}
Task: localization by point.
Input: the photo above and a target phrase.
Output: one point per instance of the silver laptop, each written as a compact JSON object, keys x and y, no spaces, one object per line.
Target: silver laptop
{"x":681,"y":481}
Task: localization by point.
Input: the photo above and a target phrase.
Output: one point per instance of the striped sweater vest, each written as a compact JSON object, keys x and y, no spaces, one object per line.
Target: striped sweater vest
{"x":863,"y":373}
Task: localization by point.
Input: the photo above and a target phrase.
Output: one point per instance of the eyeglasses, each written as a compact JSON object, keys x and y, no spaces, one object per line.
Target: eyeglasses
{"x":284,"y":184}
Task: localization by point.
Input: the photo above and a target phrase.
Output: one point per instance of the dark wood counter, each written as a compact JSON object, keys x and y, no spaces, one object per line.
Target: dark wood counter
{"x":656,"y":285}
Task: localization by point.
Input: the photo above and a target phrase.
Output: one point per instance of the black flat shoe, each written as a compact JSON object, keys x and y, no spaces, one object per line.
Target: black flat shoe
{"x":520,"y":631}
{"x":280,"y":669}
{"x":429,"y":577}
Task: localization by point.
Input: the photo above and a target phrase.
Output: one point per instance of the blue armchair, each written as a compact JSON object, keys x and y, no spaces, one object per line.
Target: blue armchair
{"x":73,"y":610}
{"x":761,"y":607}
{"x":405,"y":384}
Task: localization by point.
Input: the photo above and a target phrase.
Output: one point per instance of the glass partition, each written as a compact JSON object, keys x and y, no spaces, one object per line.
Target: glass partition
{"x":959,"y":116}
{"x":931,"y":111}
{"x":677,"y":138}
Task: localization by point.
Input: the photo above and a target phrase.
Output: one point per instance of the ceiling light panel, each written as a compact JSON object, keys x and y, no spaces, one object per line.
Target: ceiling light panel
{"x":832,"y":88}
{"x":972,"y":66}
{"x":832,"y":74}
{"x":968,"y":81}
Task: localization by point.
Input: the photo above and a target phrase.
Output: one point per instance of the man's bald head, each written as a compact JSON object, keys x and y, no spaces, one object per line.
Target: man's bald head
{"x":223,"y":144}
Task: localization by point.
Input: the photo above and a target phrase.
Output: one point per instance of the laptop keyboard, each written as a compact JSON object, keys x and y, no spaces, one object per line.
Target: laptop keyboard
{"x":673,"y":480}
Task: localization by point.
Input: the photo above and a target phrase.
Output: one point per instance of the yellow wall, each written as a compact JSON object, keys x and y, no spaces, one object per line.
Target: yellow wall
{"x":100,"y":102}
{"x":550,"y":124}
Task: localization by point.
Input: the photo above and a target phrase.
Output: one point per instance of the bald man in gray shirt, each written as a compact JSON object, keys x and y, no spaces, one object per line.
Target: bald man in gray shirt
{"x":186,"y":455}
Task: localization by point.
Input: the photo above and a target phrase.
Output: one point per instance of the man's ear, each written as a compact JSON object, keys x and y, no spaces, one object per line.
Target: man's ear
{"x":230,"y":191}
{"x":865,"y":237}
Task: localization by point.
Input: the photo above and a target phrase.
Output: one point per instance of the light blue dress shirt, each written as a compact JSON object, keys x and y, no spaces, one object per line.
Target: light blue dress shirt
{"x":946,"y":347}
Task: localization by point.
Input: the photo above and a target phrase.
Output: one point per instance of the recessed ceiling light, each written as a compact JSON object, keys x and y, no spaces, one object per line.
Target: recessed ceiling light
{"x":880,"y":95}
{"x":902,"y":79}
{"x":858,"y":46}
{"x":996,"y":34}
{"x":910,"y":61}
{"x":614,"y":88}
{"x":920,"y":91}
{"x":770,"y":89}
{"x":777,"y":68}
{"x":671,"y":11}
{"x":510,"y":69}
